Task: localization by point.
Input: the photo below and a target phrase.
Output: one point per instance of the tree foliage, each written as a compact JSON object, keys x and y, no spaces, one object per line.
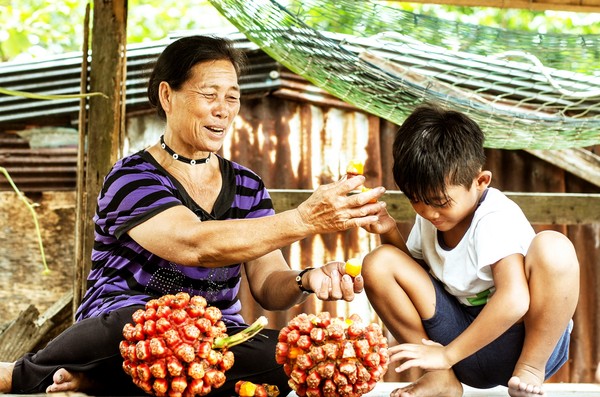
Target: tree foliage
{"x":36,"y":28}
{"x":39,"y":28}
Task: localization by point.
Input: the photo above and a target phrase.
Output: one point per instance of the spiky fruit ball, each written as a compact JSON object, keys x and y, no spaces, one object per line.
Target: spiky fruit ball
{"x":328,"y":356}
{"x":168,"y":348}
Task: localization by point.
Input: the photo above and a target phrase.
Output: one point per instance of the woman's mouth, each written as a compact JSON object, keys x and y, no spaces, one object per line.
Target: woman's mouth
{"x":216,"y":130}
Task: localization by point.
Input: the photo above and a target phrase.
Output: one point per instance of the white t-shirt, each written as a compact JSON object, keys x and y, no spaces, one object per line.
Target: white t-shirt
{"x":498,"y":229}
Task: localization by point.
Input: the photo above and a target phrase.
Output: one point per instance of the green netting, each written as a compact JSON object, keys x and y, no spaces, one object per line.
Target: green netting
{"x":527,"y":91}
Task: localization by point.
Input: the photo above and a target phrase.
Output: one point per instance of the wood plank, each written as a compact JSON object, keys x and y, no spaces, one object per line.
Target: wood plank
{"x":22,"y":335}
{"x":538,"y":5}
{"x":31,"y":331}
{"x":540,"y":208}
{"x":578,"y":161}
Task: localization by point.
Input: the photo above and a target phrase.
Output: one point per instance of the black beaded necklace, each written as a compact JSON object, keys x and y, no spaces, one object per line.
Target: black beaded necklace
{"x":181,"y":158}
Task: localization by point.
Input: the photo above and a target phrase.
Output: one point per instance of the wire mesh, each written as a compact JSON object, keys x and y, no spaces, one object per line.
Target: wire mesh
{"x":526,"y":90}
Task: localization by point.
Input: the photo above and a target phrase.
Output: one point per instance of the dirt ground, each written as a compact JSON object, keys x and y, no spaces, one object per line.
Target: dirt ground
{"x":23,"y":281}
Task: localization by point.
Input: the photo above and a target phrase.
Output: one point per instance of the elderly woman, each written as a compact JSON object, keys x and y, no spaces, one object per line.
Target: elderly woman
{"x":179,"y":217}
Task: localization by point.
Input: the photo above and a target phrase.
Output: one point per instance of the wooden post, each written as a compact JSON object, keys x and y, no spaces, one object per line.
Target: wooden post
{"x":106,"y":120}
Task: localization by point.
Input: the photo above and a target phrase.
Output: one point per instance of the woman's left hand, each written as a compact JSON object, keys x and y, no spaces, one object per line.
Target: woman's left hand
{"x":330,"y":282}
{"x":428,"y":356}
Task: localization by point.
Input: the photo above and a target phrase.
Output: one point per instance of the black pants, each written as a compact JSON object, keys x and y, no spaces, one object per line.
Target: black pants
{"x":91,"y":346}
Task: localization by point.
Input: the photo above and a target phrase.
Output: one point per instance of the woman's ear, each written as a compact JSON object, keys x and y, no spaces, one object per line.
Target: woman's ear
{"x":164,"y":95}
{"x":484,"y":179}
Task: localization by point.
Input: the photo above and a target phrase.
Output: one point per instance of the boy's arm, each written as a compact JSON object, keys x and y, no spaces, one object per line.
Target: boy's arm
{"x":506,"y":307}
{"x":395,"y":238}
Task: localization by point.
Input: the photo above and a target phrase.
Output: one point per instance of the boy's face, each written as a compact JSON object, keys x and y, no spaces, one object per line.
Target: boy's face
{"x":445,"y":213}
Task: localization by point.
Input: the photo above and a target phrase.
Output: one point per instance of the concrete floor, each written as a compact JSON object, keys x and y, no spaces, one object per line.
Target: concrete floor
{"x":384,"y":389}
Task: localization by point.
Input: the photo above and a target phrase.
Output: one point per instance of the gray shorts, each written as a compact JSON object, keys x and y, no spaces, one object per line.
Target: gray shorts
{"x":494,"y":364}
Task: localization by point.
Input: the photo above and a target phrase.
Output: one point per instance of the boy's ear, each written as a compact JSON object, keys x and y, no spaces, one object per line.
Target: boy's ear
{"x":484,"y":179}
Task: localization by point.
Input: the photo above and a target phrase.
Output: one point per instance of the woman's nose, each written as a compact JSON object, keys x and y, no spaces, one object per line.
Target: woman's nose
{"x":220,"y":108}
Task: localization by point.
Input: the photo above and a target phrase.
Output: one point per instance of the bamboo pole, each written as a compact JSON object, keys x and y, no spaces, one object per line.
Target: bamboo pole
{"x":81,"y":198}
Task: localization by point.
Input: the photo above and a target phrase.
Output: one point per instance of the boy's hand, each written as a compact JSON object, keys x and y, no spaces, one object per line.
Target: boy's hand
{"x":428,"y":356}
{"x":385,"y":223}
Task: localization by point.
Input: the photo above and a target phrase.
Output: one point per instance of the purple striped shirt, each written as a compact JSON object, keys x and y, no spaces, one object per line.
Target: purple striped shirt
{"x":124,"y":274}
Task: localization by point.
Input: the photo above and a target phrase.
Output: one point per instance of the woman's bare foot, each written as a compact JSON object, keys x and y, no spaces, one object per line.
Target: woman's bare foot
{"x":434,"y":383}
{"x":65,"y":381}
{"x":6,"y":370}
{"x":598,"y":373}
{"x":526,"y":383}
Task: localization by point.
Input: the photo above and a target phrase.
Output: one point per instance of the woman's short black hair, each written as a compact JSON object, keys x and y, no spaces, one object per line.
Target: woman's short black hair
{"x":435,"y":148}
{"x":178,"y":58}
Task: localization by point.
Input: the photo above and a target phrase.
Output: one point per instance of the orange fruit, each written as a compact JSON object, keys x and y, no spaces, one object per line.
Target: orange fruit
{"x":353,"y":267}
{"x":355,"y":167}
{"x":366,"y":189}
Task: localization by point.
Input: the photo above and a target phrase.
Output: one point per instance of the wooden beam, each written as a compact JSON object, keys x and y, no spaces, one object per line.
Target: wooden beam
{"x":106,"y":122}
{"x":534,"y":5}
{"x":540,"y":208}
{"x":580,"y":162}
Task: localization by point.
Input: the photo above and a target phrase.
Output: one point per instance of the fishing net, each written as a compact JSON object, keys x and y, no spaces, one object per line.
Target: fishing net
{"x":526,"y":90}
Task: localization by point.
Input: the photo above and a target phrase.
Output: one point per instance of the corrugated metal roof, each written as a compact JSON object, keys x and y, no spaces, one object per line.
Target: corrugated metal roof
{"x":36,"y":169}
{"x":61,"y":75}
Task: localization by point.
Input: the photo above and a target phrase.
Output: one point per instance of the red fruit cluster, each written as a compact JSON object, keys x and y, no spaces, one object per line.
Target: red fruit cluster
{"x":168,"y":349}
{"x":330,"y":357}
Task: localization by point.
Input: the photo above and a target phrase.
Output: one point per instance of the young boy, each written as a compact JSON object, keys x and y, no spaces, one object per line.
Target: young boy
{"x":474,"y":296}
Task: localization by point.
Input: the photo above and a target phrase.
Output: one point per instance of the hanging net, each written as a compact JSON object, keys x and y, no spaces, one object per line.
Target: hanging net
{"x":526,"y":90}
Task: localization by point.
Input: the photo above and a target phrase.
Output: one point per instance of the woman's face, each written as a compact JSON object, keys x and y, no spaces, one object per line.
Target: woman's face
{"x":200,"y":113}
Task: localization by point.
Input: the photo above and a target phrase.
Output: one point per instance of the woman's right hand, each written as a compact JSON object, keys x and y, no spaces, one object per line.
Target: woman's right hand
{"x":332,"y":208}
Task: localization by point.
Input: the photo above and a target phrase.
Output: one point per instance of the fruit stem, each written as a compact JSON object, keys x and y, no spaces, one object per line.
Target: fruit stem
{"x":242,"y":336}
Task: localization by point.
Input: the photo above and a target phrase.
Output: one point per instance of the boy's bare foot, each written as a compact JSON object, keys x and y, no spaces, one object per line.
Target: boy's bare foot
{"x":65,"y":381}
{"x":525,"y":384}
{"x":6,"y":370}
{"x":441,"y":383}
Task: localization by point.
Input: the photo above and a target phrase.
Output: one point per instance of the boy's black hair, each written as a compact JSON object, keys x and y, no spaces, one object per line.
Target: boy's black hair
{"x":436,"y":148}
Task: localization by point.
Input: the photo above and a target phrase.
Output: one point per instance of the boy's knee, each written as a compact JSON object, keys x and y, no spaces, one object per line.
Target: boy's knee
{"x":553,"y":249}
{"x":380,"y":263}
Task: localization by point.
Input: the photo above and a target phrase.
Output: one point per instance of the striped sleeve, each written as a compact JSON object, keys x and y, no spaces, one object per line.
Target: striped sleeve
{"x":132,"y":192}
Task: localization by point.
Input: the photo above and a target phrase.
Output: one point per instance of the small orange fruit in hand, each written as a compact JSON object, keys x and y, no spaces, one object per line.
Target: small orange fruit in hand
{"x":354,"y":168}
{"x":366,"y":189}
{"x":353,"y":267}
